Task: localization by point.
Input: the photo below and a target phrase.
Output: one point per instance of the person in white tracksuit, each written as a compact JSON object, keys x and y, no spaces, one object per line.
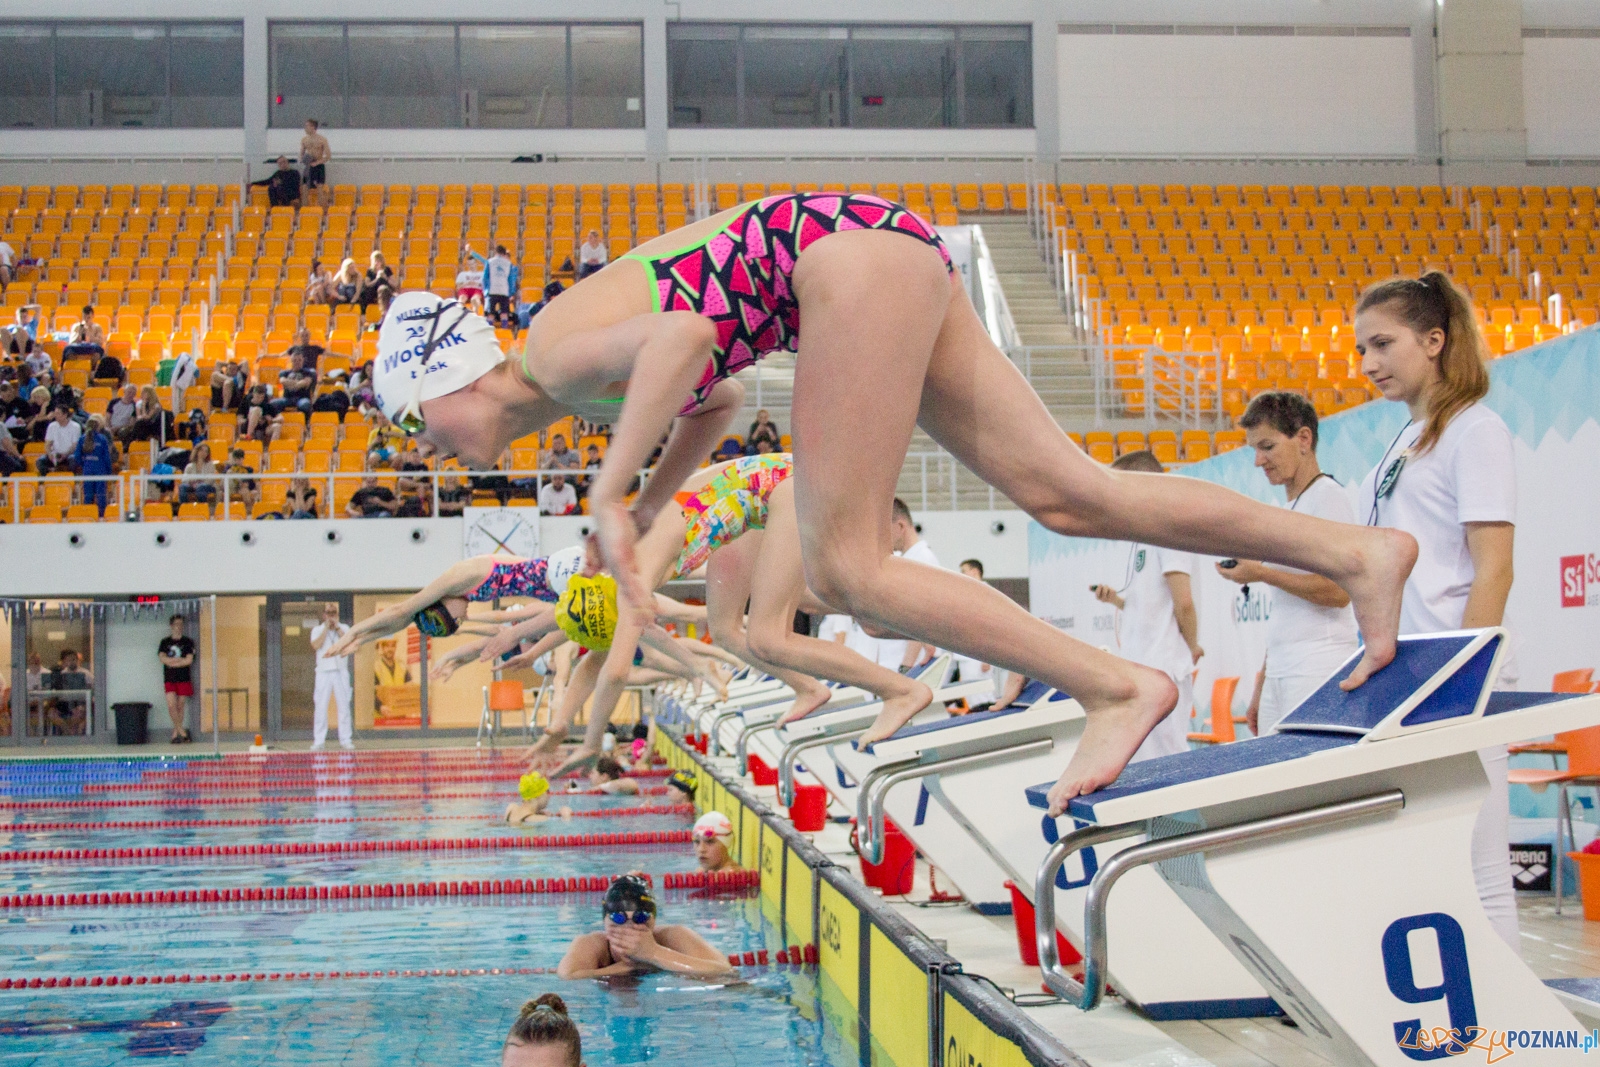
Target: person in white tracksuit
{"x":333,"y":680}
{"x":1312,"y":629}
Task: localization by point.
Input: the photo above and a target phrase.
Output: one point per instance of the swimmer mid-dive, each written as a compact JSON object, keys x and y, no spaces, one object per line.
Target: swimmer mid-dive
{"x":891,"y":340}
{"x":632,"y":942}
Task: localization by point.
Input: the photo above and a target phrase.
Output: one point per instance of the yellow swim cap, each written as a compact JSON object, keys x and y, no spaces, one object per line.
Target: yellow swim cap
{"x":587,"y":611}
{"x":533,"y":785}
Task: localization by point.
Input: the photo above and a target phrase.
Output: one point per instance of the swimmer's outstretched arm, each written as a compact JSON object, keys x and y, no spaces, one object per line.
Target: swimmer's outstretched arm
{"x":533,"y":652}
{"x":661,"y":356}
{"x":458,"y":580}
{"x":445,"y":666}
{"x":533,"y":628}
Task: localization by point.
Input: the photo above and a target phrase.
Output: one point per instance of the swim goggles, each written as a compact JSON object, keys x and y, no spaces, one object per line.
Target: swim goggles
{"x":639,"y":918}
{"x":707,"y":833}
{"x":410,"y":421}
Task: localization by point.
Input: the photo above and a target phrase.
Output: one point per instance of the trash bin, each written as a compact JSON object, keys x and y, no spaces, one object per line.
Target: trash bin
{"x":133,"y":720}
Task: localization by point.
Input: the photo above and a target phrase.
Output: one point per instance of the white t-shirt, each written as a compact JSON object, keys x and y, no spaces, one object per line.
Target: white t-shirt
{"x":326,"y":662}
{"x":7,"y":254}
{"x":471,"y":280}
{"x":497,"y":276}
{"x":1150,"y":633}
{"x":856,"y":639}
{"x":1468,"y":476}
{"x":60,"y":438}
{"x":891,"y":651}
{"x":595,"y":253}
{"x":1303,"y":638}
{"x":553,"y":501}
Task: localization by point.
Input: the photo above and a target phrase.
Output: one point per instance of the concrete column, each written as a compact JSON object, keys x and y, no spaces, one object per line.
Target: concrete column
{"x":657,"y":101}
{"x":1480,"y":80}
{"x":1046,"y":85}
{"x":1423,"y":77}
{"x":255,"y":93}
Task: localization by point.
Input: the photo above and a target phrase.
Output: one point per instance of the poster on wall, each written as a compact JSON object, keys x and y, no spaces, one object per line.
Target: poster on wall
{"x":397,"y":681}
{"x":1549,"y":396}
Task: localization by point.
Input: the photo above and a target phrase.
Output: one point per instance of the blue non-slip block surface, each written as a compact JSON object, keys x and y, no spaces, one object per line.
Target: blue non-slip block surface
{"x":1415,"y":661}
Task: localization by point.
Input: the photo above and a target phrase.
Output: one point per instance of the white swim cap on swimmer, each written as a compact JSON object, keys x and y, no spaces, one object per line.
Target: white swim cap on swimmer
{"x":463,"y":355}
{"x":561,"y":566}
{"x":711,"y":825}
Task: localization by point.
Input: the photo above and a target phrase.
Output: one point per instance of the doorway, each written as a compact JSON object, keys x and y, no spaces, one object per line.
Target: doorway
{"x":289,"y":663}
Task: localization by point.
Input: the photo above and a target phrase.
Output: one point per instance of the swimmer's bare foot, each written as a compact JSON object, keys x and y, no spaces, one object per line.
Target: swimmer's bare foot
{"x":1112,"y":733}
{"x":897,"y":711}
{"x":1375,"y":588}
{"x":805,"y":703}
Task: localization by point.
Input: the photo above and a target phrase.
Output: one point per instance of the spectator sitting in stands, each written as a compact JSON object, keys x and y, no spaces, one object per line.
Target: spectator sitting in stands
{"x":384,"y":442}
{"x":552,"y":289}
{"x":347,"y":283}
{"x":765,"y":447}
{"x":88,"y":339}
{"x":8,"y":265}
{"x":196,"y":427}
{"x":262,"y":420}
{"x":302,"y":344}
{"x":385,"y":298}
{"x":14,"y":408}
{"x":417,"y":504}
{"x":469,"y":285}
{"x":591,"y":462}
{"x":454,"y":496}
{"x":60,"y":442}
{"x":560,"y":457}
{"x":43,"y":414}
{"x":410,"y":460}
{"x":22,"y":335}
{"x":372,"y":501}
{"x":283,"y":185}
{"x":361,"y":388}
{"x":379,"y":276}
{"x":11,"y":460}
{"x":191,"y":491}
{"x":299,"y":383}
{"x":320,"y":286}
{"x":123,"y":410}
{"x":333,"y":396}
{"x":230,"y":383}
{"x":151,"y":421}
{"x":244,"y":490}
{"x":762,"y":429}
{"x":591,"y":254}
{"x":69,"y":715}
{"x":302,"y":499}
{"x":557,"y":497}
{"x":95,"y":458}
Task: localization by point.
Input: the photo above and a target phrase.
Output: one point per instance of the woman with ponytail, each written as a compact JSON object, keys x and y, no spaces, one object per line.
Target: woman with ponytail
{"x":543,"y":1036}
{"x":1447,"y":479}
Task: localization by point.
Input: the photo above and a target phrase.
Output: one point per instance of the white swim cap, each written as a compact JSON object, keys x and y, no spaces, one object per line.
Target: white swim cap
{"x":460,"y":357}
{"x":561,"y":566}
{"x":711,"y":825}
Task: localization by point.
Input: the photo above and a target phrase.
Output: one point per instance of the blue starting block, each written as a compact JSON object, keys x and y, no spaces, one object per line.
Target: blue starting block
{"x":1333,"y":857}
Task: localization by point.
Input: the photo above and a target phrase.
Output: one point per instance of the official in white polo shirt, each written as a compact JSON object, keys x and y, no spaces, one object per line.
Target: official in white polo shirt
{"x":894,"y":652}
{"x":1448,"y":479}
{"x":1160,"y":627}
{"x":1311,"y":630}
{"x":333,"y":680}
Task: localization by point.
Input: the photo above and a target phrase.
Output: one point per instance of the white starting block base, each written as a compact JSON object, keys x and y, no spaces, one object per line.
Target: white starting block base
{"x":1368,"y":931}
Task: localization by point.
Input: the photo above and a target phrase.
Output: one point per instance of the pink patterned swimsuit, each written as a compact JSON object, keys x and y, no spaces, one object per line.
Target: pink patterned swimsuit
{"x":739,"y":276}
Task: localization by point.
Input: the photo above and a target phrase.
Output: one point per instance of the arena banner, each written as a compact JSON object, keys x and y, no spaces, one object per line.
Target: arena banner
{"x":1548,"y":395}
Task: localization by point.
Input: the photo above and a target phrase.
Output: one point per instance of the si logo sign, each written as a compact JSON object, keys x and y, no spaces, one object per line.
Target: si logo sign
{"x":1580,"y":581}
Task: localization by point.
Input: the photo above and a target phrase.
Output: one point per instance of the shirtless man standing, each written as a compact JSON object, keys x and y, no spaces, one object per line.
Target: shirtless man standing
{"x":314,"y":156}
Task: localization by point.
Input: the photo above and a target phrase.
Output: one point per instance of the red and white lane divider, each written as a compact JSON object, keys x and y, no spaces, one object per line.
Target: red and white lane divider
{"x":186,"y":824}
{"x":332,"y":848}
{"x":722,"y":880}
{"x":330,"y":797}
{"x":791,"y":956}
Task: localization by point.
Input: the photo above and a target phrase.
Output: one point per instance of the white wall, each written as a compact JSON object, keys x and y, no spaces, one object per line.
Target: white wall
{"x":1561,"y":96}
{"x":132,"y":671}
{"x":1224,"y":95}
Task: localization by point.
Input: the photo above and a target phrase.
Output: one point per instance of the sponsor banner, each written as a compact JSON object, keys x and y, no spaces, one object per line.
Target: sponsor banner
{"x":899,"y":1000}
{"x":839,"y":943}
{"x":969,"y":1042}
{"x":1549,"y":396}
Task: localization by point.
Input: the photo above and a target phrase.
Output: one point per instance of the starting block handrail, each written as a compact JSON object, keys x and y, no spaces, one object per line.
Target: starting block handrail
{"x":791,"y":756}
{"x":873,"y":795}
{"x":741,"y":745}
{"x":1086,"y":995}
{"x":715,"y":729}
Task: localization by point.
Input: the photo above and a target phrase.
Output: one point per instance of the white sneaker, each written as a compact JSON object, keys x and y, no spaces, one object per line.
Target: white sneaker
{"x":316,"y":746}
{"x":348,"y":746}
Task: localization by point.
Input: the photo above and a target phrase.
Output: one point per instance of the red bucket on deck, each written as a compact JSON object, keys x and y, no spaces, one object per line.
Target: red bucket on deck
{"x":761,"y":773}
{"x":1027,"y":945}
{"x":898,"y":868}
{"x":809,"y":812}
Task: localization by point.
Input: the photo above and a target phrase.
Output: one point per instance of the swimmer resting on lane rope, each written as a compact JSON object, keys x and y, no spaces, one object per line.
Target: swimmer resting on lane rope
{"x":890,"y":341}
{"x":748,"y":501}
{"x":632,"y":943}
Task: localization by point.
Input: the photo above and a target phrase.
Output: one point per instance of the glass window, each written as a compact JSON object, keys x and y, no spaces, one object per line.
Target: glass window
{"x":25,"y":85}
{"x":903,"y":77}
{"x":519,"y":73}
{"x":207,"y":75}
{"x":308,"y":75}
{"x":403,"y":77}
{"x":703,"y":75}
{"x":794,"y":76}
{"x":111,"y":75}
{"x":607,"y":77}
{"x":997,"y":76}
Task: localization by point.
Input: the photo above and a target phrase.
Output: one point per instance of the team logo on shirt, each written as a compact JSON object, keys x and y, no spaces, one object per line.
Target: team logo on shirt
{"x":1138,"y":561}
{"x":1580,"y":581}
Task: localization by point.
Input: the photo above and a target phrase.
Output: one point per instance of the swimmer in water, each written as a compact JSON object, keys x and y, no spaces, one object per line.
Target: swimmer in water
{"x":543,"y":1036}
{"x":607,"y":777}
{"x":713,"y":840}
{"x":632,"y":943}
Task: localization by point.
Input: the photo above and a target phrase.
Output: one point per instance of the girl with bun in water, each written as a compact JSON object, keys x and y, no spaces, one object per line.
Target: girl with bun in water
{"x":544,"y":1035}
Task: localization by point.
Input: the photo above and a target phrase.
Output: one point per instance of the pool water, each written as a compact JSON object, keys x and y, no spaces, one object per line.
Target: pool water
{"x":771,"y":1018}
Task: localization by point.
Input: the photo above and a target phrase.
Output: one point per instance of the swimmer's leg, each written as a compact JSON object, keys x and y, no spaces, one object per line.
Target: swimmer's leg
{"x":778,"y":587}
{"x":728,"y":580}
{"x":579,"y":687}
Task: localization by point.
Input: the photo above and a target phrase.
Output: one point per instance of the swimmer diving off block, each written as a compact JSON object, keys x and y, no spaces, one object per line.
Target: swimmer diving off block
{"x":890,"y":341}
